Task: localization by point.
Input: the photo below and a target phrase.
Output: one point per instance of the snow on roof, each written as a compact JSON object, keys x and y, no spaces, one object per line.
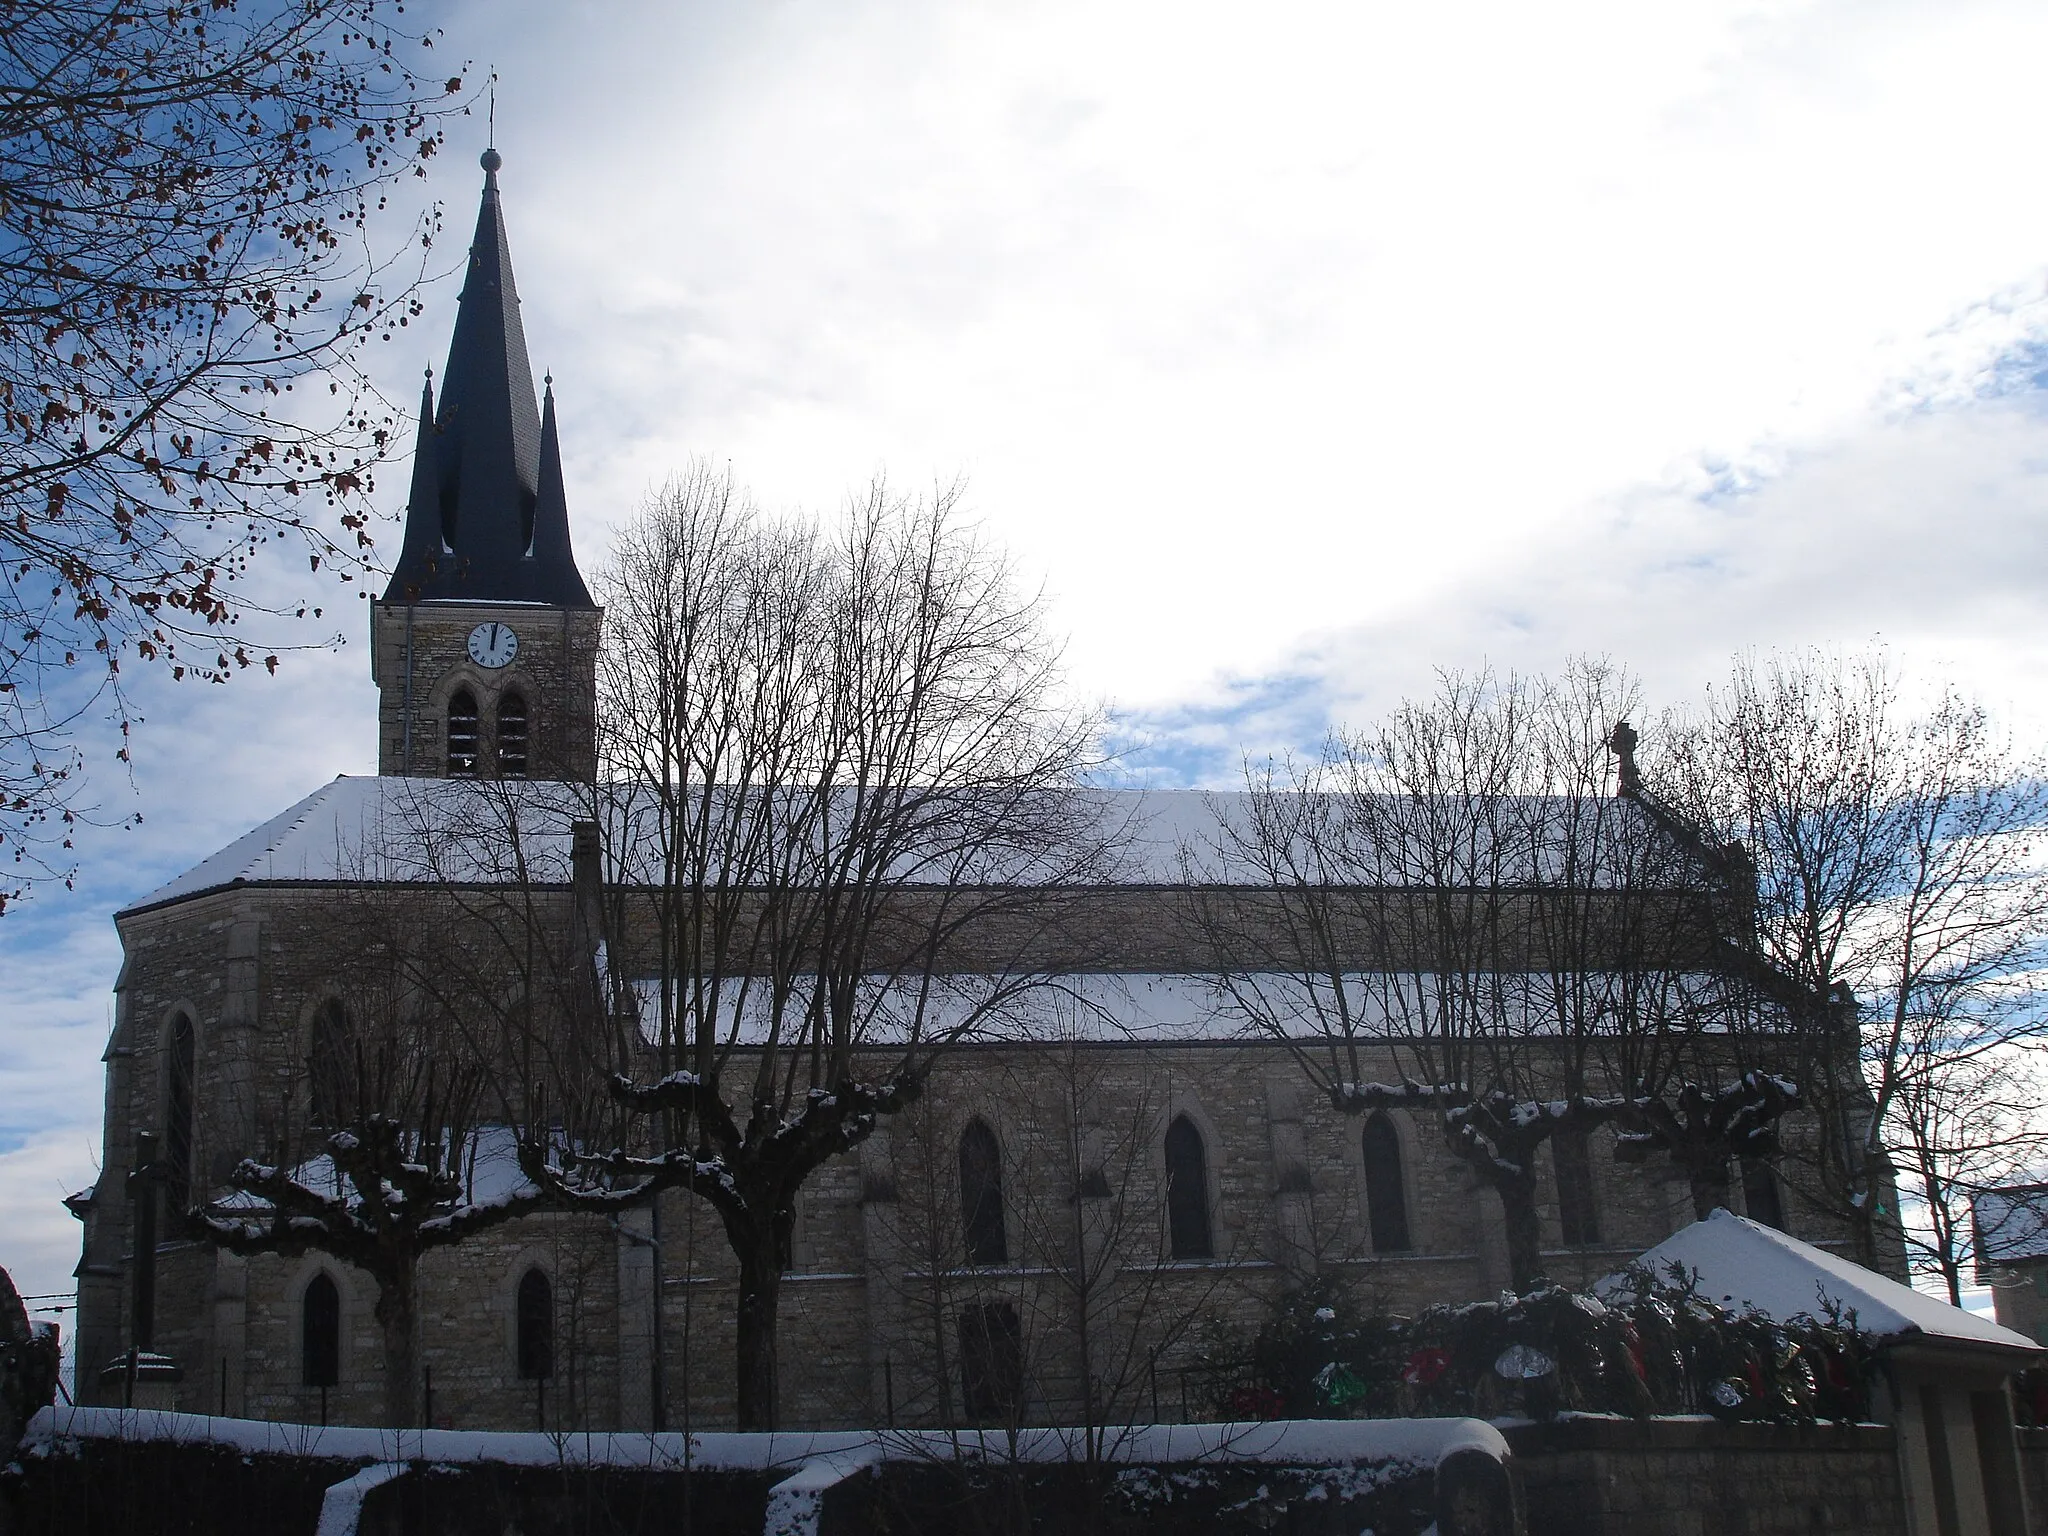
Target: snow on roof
{"x":1741,"y":1263}
{"x":432,"y":830}
{"x":1311,"y":1442}
{"x":2012,"y":1224}
{"x":1150,"y":1007}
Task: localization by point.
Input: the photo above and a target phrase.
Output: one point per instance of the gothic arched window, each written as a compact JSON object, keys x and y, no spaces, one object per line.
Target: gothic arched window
{"x":1576,"y":1214}
{"x":1187,"y":1192}
{"x":536,"y":1326}
{"x":1760,"y":1195}
{"x":1386,"y":1195}
{"x":320,"y":1333}
{"x":462,"y":732}
{"x":327,"y":1073}
{"x":180,"y":1071}
{"x":512,"y":735}
{"x":981,"y":1194}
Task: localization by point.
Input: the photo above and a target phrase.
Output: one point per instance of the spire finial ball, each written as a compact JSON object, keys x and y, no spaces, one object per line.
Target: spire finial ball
{"x":490,"y":160}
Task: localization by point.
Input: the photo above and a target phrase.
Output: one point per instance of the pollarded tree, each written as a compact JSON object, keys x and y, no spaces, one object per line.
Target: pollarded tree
{"x":850,"y":822}
{"x":189,"y":202}
{"x":1466,"y":892}
{"x":389,"y":1173}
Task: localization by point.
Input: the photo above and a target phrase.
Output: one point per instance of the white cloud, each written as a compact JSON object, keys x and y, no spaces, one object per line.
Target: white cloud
{"x":1241,"y":327}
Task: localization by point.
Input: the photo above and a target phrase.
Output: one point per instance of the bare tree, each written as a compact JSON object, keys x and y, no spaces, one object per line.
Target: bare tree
{"x":188,"y":200}
{"x":851,"y":819}
{"x":1897,"y":880}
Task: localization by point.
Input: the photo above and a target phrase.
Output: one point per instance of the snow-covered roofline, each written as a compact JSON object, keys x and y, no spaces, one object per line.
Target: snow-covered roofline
{"x":1741,"y":1263}
{"x":398,"y":830}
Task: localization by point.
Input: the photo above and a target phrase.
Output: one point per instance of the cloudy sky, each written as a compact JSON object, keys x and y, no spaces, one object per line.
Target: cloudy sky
{"x":1298,"y":349}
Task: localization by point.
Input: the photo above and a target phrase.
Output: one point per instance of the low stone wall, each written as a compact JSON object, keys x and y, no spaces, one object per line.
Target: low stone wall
{"x":1697,"y":1477}
{"x":108,"y":1472}
{"x":2034,"y":1477}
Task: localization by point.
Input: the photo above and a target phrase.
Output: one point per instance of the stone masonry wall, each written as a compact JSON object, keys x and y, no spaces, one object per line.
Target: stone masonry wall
{"x":871,"y":1306}
{"x":1591,"y":1477}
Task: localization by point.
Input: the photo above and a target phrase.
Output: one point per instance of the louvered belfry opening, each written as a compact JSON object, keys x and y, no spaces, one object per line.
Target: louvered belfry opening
{"x":462,"y":734}
{"x":512,"y":736}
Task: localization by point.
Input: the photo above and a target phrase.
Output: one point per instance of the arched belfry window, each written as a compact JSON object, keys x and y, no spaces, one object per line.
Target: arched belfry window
{"x":1386,"y":1194}
{"x":180,"y":1086}
{"x":536,"y":1326}
{"x":320,"y":1333}
{"x":981,"y":1194}
{"x":462,"y":732}
{"x":1187,"y":1192}
{"x":327,"y":1066}
{"x":512,"y":735}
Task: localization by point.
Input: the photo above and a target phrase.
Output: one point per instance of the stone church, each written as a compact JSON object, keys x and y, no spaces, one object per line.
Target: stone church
{"x":1112,"y":1207}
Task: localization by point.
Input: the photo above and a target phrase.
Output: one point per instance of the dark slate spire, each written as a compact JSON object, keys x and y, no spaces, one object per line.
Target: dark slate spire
{"x":422,"y":549}
{"x":475,"y":537}
{"x":551,"y":509}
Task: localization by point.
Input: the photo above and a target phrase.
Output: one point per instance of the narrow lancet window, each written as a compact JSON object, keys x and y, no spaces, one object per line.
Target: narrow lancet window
{"x":536,"y":1327}
{"x":981,"y":1195}
{"x":180,"y":1069}
{"x":1187,"y":1192}
{"x":327,"y":1067}
{"x":512,"y":736}
{"x":1386,"y":1195}
{"x":320,"y":1334}
{"x":1576,"y":1213}
{"x":462,"y":733}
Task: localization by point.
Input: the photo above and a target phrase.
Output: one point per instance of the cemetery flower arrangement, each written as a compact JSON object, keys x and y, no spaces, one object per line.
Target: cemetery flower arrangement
{"x":1653,"y":1345}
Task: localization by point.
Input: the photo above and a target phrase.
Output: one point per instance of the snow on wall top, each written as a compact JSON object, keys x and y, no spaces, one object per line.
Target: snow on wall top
{"x":1743,"y":1263}
{"x":430,"y":830}
{"x":1309,"y":1442}
{"x":2012,"y":1224}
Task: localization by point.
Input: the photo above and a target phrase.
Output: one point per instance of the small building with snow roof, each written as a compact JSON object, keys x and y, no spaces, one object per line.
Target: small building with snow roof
{"x":1947,"y":1371}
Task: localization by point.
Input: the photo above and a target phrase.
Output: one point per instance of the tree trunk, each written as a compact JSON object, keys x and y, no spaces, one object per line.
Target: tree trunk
{"x":398,"y":1317}
{"x":760,"y":1294}
{"x":1524,"y":1231}
{"x":1707,"y":1173}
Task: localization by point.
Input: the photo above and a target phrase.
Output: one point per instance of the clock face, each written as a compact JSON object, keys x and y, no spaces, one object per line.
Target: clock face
{"x":493,"y":645}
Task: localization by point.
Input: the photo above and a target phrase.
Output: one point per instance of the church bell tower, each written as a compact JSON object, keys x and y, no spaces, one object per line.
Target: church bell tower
{"x":484,"y":645}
